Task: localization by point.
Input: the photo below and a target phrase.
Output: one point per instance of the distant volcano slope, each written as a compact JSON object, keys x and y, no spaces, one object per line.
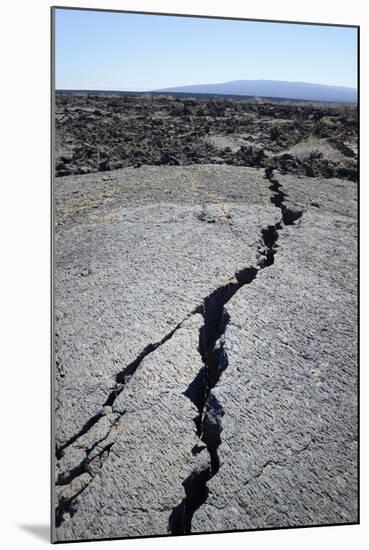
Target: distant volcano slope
{"x":273,"y":88}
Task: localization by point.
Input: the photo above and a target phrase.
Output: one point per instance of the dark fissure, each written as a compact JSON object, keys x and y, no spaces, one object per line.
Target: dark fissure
{"x":208,"y":422}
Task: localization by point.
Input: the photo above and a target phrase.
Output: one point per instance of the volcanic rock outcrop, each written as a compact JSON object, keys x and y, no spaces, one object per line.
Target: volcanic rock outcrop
{"x":205,"y":344}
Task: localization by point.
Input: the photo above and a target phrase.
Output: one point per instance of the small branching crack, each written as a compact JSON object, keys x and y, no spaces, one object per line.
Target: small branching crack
{"x":73,"y":482}
{"x":65,"y":508}
{"x":121,"y":379}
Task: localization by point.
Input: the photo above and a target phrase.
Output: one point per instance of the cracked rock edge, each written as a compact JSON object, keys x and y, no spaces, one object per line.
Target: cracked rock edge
{"x":81,"y":458}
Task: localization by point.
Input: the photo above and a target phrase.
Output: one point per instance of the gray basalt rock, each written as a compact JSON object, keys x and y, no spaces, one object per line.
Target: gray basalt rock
{"x":133,"y":260}
{"x":139,"y":482}
{"x":206,"y":351}
{"x":288,"y":452}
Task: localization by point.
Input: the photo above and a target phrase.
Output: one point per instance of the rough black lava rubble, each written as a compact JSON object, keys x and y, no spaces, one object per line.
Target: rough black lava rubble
{"x":97,"y":133}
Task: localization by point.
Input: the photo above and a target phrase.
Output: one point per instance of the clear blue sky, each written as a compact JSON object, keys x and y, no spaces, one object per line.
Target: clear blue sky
{"x":118,"y":51}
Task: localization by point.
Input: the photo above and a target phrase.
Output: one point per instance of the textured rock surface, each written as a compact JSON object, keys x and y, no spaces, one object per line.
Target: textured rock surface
{"x":289,"y":393}
{"x":102,"y":133}
{"x":132,"y":266}
{"x":133,"y":491}
{"x":205,"y":345}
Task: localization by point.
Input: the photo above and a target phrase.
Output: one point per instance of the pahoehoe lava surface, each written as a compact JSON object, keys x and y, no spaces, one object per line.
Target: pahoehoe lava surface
{"x":214,"y":357}
{"x":205,"y":315}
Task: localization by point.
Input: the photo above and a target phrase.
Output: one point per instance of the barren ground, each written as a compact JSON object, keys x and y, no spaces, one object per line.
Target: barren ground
{"x":205,"y":315}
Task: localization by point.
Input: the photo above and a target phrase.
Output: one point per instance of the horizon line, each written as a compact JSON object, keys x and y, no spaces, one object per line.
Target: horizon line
{"x":151,"y":89}
{"x":204,"y":94}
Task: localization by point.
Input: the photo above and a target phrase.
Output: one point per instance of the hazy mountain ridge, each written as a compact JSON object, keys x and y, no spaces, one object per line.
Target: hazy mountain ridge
{"x":273,"y":88}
